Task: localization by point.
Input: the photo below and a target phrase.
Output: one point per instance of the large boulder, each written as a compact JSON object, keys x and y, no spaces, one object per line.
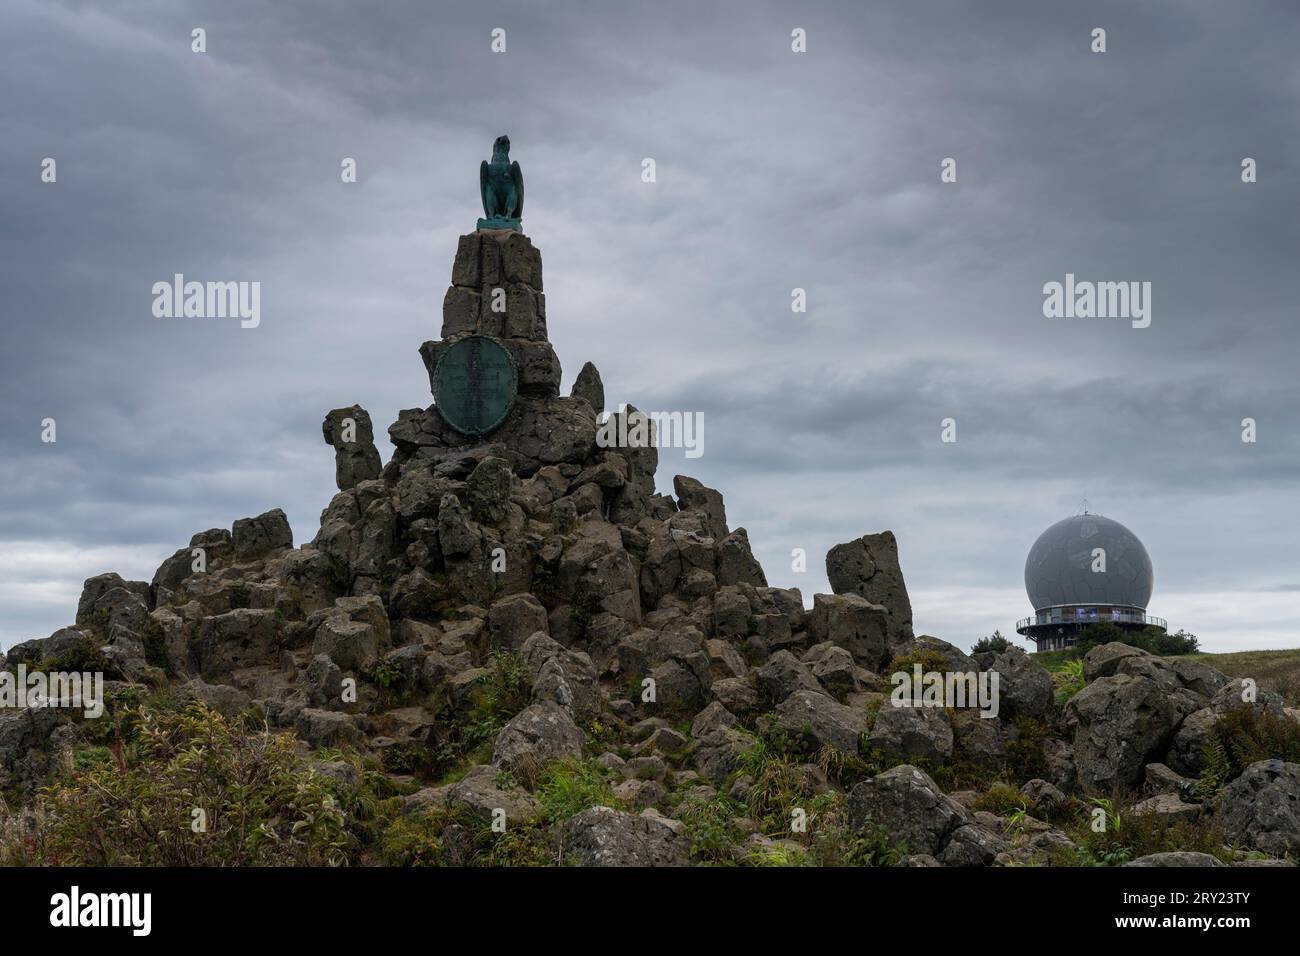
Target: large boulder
{"x":1104,"y":660}
{"x":736,"y":561}
{"x":567,"y":677}
{"x":909,"y":806}
{"x":868,"y":566}
{"x":602,"y":836}
{"x":65,"y":640}
{"x":1120,"y":723}
{"x":538,"y":735}
{"x":482,"y":792}
{"x":783,"y":674}
{"x":241,"y":638}
{"x":1024,"y":685}
{"x":1187,"y":751}
{"x":328,"y":728}
{"x":104,"y":593}
{"x":352,"y":645}
{"x":257,"y":537}
{"x":352,"y":435}
{"x":694,"y":496}
{"x":818,"y":721}
{"x":853,"y":623}
{"x":1261,"y":808}
{"x":913,"y":732}
{"x":108,"y":603}
{"x":488,"y":489}
{"x":514,"y":619}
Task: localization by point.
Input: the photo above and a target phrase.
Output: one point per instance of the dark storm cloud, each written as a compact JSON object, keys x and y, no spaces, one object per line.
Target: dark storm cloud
{"x":775,"y":171}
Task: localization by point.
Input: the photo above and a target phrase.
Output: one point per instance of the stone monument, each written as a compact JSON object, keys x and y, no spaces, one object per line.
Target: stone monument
{"x":501,"y":185}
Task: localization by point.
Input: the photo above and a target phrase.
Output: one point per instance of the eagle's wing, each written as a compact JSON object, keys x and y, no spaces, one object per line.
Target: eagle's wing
{"x":482,"y":187}
{"x":517,"y":175}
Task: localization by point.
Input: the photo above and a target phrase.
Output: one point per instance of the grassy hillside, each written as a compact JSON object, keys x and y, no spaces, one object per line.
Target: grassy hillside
{"x":1277,"y":671}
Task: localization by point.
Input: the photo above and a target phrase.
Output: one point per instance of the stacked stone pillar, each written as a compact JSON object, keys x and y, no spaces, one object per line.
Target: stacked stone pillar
{"x":496,"y":290}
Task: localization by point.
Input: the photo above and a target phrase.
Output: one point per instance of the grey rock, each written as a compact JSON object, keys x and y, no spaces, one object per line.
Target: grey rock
{"x":257,"y":537}
{"x":590,"y":388}
{"x":226,"y":700}
{"x":736,"y":561}
{"x":783,"y":674}
{"x":852,"y":622}
{"x":601,"y":836}
{"x":913,"y":732}
{"x":1158,"y":778}
{"x":694,"y":496}
{"x":240,"y":638}
{"x":514,"y":619}
{"x":1168,"y":807}
{"x":909,"y":806}
{"x":352,"y":645}
{"x":62,"y":641}
{"x":538,"y":735}
{"x":327,"y":728}
{"x":1120,"y":724}
{"x":869,"y":567}
{"x":1187,"y":750}
{"x":352,"y":435}
{"x":488,"y":488}
{"x":1261,"y":808}
{"x":1104,"y":660}
{"x":96,"y":601}
{"x":1178,"y":858}
{"x":481,"y":791}
{"x":972,"y":846}
{"x":819,"y":720}
{"x":1024,"y":685}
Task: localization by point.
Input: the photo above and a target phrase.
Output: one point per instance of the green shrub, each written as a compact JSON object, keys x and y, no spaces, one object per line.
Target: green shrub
{"x":1068,"y":680}
{"x":1003,"y":799}
{"x":571,"y":786}
{"x":710,"y":824}
{"x":928,"y":658}
{"x":262,"y":805}
{"x":1026,"y":759}
{"x":1242,"y":736}
{"x":780,"y":784}
{"x":505,"y":690}
{"x":1149,"y":639}
{"x":995,"y":643}
{"x":1128,"y":836}
{"x":84,"y":656}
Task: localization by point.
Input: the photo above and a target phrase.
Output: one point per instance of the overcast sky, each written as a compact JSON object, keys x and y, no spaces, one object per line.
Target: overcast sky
{"x":775,"y":170}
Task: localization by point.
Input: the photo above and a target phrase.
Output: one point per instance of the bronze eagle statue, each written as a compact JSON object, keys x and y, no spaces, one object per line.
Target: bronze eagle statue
{"x":501,"y":183}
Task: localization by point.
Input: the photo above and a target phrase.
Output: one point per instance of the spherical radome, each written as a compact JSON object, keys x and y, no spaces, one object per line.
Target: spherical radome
{"x":1059,"y":567}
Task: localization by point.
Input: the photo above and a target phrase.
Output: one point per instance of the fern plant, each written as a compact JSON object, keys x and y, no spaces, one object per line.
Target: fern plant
{"x":1218,"y":769}
{"x":1069,"y":680}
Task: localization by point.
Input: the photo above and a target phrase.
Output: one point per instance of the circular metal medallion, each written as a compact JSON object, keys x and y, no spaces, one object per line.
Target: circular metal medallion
{"x":474,"y":384}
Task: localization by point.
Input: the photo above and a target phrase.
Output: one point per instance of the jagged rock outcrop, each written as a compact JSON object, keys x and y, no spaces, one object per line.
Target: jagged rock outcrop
{"x":868,"y":567}
{"x":350,"y":432}
{"x":481,"y":615}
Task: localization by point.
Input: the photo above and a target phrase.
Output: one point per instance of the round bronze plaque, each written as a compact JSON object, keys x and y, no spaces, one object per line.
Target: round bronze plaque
{"x":474,"y":384}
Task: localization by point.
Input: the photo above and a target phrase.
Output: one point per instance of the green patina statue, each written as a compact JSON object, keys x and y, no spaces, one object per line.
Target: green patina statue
{"x":501,"y":184}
